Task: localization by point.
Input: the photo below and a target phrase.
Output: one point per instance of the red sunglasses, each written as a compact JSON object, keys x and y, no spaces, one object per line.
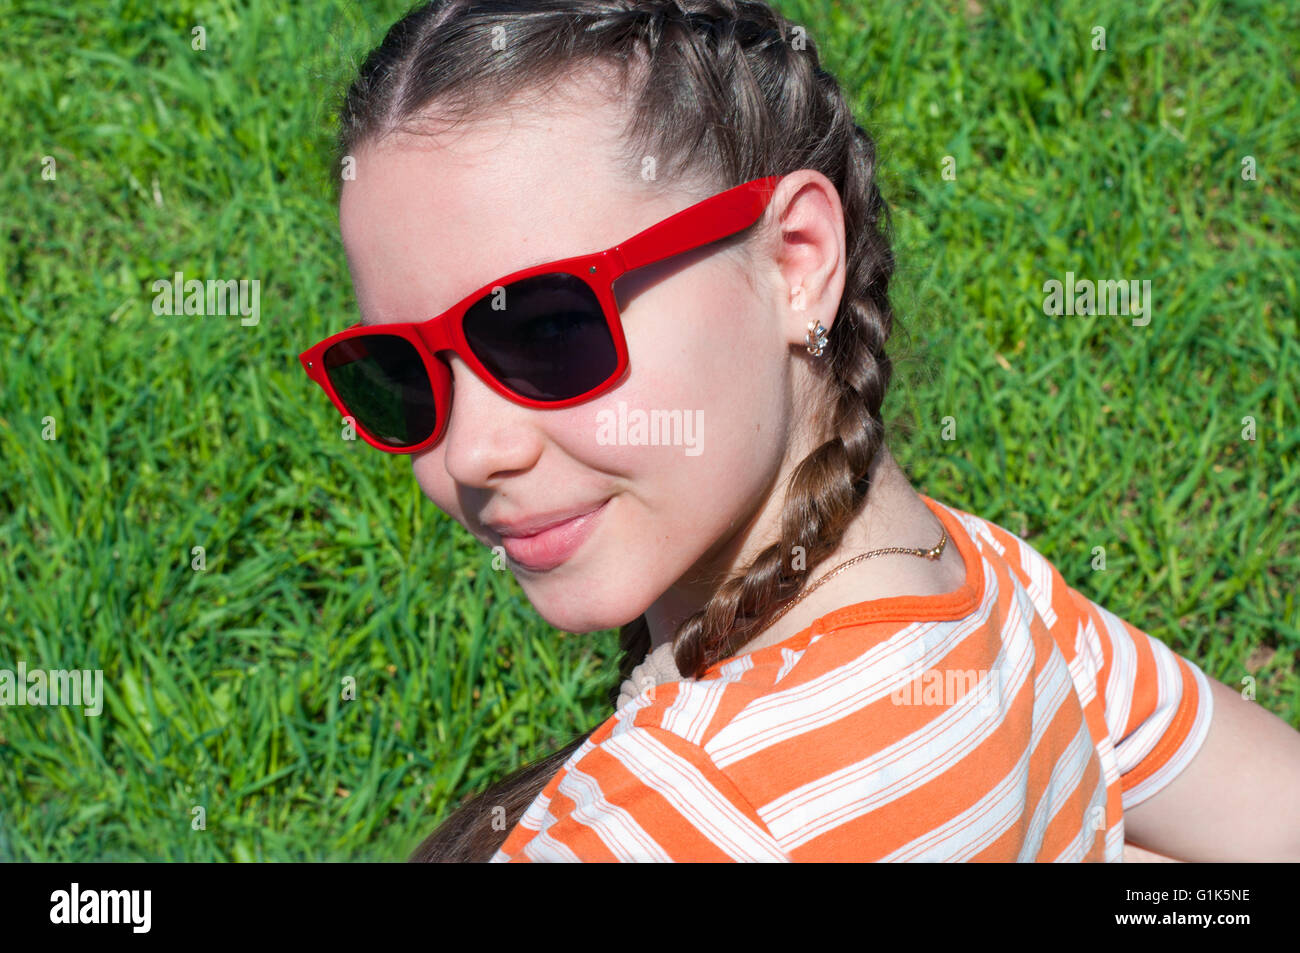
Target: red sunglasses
{"x":548,"y":336}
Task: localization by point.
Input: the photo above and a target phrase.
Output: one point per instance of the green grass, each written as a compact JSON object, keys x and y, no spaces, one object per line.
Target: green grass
{"x":324,"y":561}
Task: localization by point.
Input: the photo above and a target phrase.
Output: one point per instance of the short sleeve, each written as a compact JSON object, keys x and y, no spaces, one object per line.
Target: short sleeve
{"x":1157,"y":704}
{"x":642,"y":794}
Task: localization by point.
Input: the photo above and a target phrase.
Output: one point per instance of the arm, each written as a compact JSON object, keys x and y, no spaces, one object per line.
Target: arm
{"x":1238,"y":799}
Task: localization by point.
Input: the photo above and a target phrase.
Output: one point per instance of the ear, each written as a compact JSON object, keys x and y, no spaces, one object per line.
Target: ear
{"x":807,"y":252}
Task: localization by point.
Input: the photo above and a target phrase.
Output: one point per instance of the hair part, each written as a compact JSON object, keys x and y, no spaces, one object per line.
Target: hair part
{"x":718,"y":96}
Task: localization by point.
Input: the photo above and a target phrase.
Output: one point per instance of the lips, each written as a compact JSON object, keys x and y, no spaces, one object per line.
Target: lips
{"x":544,"y":542}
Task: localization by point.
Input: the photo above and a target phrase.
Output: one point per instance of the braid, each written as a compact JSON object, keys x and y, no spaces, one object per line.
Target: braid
{"x":634,"y":645}
{"x":828,"y":488}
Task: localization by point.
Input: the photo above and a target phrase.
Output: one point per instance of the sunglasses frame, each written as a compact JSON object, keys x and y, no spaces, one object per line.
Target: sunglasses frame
{"x":707,"y":221}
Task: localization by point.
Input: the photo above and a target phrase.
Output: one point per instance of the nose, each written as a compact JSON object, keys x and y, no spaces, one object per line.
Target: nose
{"x":487,"y":436}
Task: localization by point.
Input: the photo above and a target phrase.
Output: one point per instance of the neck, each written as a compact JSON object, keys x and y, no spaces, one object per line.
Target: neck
{"x":893,"y":515}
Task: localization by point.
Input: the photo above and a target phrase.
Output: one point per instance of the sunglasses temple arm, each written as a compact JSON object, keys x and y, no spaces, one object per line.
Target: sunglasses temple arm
{"x":701,"y":224}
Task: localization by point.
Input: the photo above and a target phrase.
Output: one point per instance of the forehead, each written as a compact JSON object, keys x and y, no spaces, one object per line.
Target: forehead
{"x":429,"y":218}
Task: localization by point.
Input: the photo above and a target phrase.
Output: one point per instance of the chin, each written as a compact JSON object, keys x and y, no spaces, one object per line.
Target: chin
{"x":577,"y":614}
{"x":582,"y":623}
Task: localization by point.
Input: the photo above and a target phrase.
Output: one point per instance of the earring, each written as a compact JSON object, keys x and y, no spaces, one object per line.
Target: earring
{"x":815,"y":338}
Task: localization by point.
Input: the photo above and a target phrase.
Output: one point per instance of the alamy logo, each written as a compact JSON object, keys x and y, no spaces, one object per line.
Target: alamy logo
{"x":218,"y":296}
{"x":102,"y":906}
{"x":640,"y":428}
{"x":57,"y":686}
{"x":980,"y":689}
{"x":1107,"y":296}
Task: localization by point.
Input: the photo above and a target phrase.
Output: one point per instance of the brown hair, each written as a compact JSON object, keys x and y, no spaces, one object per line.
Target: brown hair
{"x":728,"y":91}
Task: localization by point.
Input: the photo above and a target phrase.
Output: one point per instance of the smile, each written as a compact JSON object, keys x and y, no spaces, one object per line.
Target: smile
{"x":554,"y":545}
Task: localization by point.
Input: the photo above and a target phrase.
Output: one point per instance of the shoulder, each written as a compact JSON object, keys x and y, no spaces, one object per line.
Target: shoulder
{"x":1023,"y":567}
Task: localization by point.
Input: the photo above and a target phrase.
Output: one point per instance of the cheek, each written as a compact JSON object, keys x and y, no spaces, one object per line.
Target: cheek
{"x":436,"y":483}
{"x":708,"y":354}
{"x":712,"y":350}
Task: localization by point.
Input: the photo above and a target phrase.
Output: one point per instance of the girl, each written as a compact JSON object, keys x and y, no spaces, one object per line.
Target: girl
{"x":624,"y":269}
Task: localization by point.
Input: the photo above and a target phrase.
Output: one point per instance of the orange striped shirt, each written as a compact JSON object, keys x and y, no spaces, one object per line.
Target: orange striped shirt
{"x":1011,"y":719}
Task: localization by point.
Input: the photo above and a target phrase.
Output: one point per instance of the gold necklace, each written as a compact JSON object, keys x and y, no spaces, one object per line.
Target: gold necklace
{"x":931,"y":554}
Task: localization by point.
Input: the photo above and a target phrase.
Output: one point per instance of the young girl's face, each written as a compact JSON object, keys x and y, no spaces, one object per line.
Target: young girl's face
{"x":430,"y":219}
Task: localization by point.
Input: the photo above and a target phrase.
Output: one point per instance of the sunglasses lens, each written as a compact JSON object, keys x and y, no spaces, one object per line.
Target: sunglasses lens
{"x":544,"y":337}
{"x":382,"y":382}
